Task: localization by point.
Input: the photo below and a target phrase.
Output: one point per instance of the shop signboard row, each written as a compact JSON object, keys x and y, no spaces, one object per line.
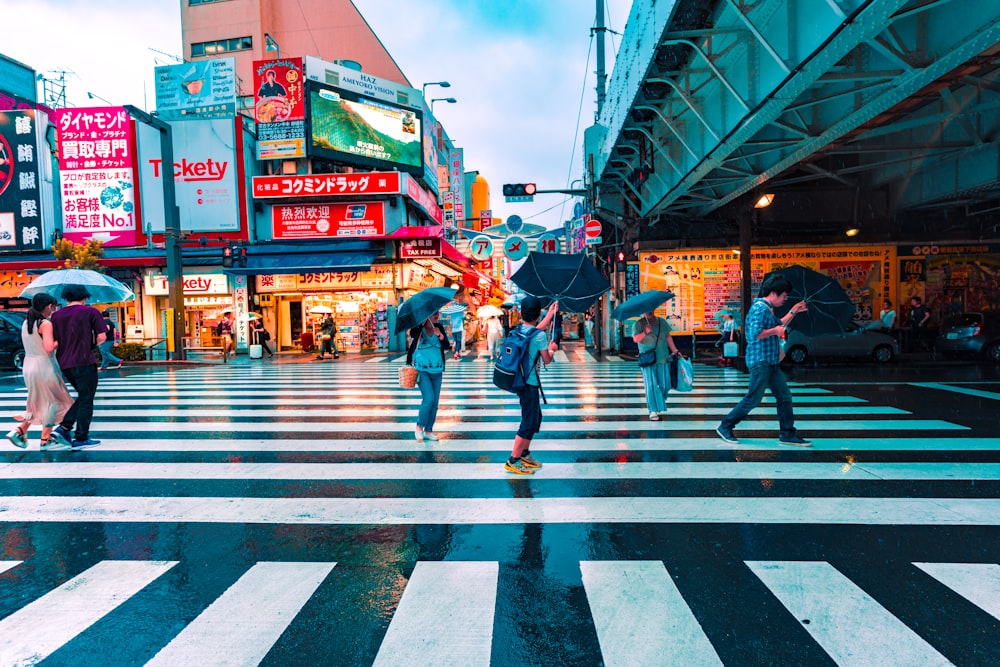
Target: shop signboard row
{"x":370,"y":183}
{"x":25,"y":184}
{"x":334,"y":221}
{"x":379,"y":277}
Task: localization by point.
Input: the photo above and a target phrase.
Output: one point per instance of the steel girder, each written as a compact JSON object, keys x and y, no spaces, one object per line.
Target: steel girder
{"x":743,"y":92}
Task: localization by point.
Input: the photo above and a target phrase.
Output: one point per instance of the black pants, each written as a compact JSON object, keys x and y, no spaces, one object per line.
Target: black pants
{"x":84,"y":380}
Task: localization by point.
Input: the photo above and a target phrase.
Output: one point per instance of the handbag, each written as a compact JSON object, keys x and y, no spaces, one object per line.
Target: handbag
{"x":407,"y":377}
{"x":730,"y":349}
{"x":647,"y":358}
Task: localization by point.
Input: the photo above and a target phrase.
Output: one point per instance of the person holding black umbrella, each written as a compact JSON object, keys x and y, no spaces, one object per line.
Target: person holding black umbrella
{"x":652,"y":334}
{"x":426,"y":352}
{"x":763,"y":335}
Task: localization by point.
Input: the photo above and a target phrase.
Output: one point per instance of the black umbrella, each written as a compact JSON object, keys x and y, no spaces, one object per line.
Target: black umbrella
{"x":830,"y":309}
{"x":569,"y":279}
{"x":641,"y":304}
{"x":422,"y":305}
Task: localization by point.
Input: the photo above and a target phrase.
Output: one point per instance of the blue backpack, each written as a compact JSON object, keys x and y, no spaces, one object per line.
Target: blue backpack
{"x":511,"y":370}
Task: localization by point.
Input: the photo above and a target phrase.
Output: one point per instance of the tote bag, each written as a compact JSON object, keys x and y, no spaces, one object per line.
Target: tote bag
{"x":731,"y":349}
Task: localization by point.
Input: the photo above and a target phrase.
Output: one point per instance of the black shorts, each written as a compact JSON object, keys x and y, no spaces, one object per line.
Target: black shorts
{"x":531,"y":412}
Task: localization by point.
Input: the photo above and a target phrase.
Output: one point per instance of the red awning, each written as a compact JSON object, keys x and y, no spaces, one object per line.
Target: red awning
{"x":24,"y":264}
{"x":450,"y":252}
{"x":419,"y":232}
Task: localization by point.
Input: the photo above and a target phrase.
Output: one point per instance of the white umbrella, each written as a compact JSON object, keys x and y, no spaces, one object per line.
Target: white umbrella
{"x":487,"y":311}
{"x":321,"y":310}
{"x":102,"y":288}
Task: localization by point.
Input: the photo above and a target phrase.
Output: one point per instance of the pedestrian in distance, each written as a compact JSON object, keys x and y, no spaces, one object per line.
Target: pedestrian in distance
{"x":262,"y":335}
{"x":48,"y":400}
{"x":426,"y":352}
{"x":521,"y":462}
{"x":727,"y":334}
{"x":108,"y":357}
{"x":919,"y":316}
{"x":557,"y":329}
{"x":652,"y":333}
{"x":224,"y":329}
{"x":494,"y":334}
{"x":77,"y":328}
{"x":457,"y":332}
{"x":763,"y":337}
{"x":588,"y":329}
{"x":327,"y":334}
{"x":886,"y":318}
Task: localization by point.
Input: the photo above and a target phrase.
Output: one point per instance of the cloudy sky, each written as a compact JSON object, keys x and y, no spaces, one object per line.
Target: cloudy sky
{"x":522,"y":71}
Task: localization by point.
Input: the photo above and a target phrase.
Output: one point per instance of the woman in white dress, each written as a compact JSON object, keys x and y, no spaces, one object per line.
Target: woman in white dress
{"x":48,"y":399}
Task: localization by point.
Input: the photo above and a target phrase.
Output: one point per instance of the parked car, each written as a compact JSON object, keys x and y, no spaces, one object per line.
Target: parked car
{"x":855,"y":341}
{"x":11,"y":346}
{"x":971,"y":334}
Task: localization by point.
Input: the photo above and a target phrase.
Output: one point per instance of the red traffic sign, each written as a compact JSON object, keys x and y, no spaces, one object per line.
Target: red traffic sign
{"x":592,"y":229}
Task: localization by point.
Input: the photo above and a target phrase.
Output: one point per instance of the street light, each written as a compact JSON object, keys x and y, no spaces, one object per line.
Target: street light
{"x":443,"y":84}
{"x":98,"y":97}
{"x":271,"y":44}
{"x":449,"y":100}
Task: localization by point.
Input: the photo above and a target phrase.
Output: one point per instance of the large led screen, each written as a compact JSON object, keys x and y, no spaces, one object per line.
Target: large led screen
{"x":358,"y":130}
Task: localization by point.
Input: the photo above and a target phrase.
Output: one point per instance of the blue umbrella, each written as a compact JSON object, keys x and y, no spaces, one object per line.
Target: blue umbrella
{"x":641,"y":304}
{"x":569,"y":279}
{"x":422,"y":305}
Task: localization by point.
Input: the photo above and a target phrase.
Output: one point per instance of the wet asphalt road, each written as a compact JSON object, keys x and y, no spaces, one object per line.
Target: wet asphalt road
{"x":283,"y":514}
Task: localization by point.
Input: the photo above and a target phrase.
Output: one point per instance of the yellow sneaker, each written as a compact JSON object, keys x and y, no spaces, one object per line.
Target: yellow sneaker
{"x":529,"y":461}
{"x":518,"y":468}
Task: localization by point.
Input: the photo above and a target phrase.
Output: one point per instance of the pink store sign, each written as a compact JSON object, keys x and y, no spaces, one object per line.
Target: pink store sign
{"x":334,"y":221}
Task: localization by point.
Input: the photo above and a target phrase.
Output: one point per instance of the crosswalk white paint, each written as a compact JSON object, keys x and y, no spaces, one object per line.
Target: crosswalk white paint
{"x":242,"y":625}
{"x":35,"y":631}
{"x":641,"y":617}
{"x":444,"y":618}
{"x":848,"y":623}
{"x":8,"y":564}
{"x":979,"y":583}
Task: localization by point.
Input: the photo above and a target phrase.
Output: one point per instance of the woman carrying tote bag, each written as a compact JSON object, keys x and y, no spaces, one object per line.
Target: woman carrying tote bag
{"x":426,"y":354}
{"x":652,"y":334}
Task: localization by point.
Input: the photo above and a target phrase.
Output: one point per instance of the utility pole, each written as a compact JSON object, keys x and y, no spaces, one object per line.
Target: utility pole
{"x":171,"y":231}
{"x":602,"y":75}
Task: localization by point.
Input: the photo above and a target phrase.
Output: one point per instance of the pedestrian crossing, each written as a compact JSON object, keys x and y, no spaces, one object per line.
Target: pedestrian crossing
{"x":284,"y":514}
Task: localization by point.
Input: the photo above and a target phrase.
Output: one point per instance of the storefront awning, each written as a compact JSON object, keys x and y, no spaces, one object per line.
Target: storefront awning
{"x":328,"y":258}
{"x":418,"y":232}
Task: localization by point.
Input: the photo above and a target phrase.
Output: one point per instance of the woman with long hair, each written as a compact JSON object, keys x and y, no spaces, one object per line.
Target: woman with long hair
{"x":428,"y":345}
{"x":48,"y":399}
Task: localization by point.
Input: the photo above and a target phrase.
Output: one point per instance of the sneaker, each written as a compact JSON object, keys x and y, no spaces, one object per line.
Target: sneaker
{"x":518,"y":468}
{"x":84,"y":444}
{"x":794,"y":439}
{"x":419,"y":434}
{"x":430,"y":436}
{"x":120,"y":363}
{"x":58,"y":441}
{"x":529,"y":460}
{"x":320,"y":356}
{"x":53,"y":444}
{"x":17,"y":439}
{"x":726,"y":434}
{"x":654,"y":416}
{"x":60,"y":432}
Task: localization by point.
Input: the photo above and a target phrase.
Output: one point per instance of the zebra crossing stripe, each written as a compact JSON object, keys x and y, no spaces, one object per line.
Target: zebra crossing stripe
{"x":848,"y":623}
{"x":979,"y":583}
{"x":504,"y":511}
{"x":8,"y":565}
{"x":978,"y":393}
{"x":35,"y":631}
{"x":640,"y":616}
{"x":242,"y":625}
{"x":445,"y":617}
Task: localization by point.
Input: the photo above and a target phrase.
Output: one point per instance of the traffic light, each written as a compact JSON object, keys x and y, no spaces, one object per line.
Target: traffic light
{"x":227,"y":257}
{"x":620,"y":256}
{"x":240,"y":255}
{"x":514,"y":192}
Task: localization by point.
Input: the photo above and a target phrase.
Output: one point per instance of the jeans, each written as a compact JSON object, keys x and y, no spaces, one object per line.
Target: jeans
{"x":108,"y":357}
{"x":430,"y":393}
{"x":328,"y":346}
{"x":763,"y":376}
{"x":84,"y":380}
{"x":457,"y":335}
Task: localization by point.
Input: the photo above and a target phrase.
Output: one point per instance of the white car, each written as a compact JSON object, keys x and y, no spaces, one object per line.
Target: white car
{"x":855,"y":341}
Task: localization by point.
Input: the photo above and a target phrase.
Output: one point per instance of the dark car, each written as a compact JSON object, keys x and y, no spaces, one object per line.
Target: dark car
{"x":11,"y":346}
{"x":855,"y":341}
{"x":971,"y":334}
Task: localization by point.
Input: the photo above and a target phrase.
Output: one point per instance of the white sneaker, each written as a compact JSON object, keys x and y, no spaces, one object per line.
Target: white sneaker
{"x":430,"y":436}
{"x":419,"y":434}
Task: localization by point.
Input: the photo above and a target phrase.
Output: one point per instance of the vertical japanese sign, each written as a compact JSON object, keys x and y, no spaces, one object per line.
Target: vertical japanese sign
{"x":279,"y":108}
{"x":485,"y":219}
{"x":20,"y":182}
{"x":456,"y":179}
{"x":95,"y":175}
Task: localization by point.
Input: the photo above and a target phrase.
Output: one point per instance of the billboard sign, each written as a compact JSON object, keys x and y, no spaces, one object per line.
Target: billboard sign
{"x":279,"y":108}
{"x":328,"y":221}
{"x":362,"y":83}
{"x":95,"y":174}
{"x":21,"y":181}
{"x":201,"y":89}
{"x":364,"y":131}
{"x":204,"y":175}
{"x":372,"y":183}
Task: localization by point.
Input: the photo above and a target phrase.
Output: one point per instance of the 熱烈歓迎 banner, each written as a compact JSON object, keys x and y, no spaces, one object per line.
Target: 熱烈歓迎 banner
{"x":335,"y":221}
{"x":370,"y":183}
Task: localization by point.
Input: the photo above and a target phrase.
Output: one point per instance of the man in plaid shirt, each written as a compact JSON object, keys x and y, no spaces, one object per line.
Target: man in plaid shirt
{"x":763,"y":334}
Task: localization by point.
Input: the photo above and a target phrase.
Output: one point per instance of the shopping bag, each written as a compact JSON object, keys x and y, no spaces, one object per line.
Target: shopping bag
{"x":407,"y":377}
{"x":681,"y":374}
{"x":731,"y":349}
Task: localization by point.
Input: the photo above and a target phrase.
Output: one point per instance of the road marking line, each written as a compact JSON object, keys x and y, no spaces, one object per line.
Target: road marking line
{"x":957,"y":390}
{"x":38,"y":629}
{"x":848,"y":623}
{"x":445,"y":616}
{"x":9,"y":564}
{"x":979,"y":583}
{"x":641,"y":617}
{"x":242,"y":625}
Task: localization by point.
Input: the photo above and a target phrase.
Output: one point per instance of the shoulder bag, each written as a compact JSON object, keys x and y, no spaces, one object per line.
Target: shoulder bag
{"x":648,"y":358}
